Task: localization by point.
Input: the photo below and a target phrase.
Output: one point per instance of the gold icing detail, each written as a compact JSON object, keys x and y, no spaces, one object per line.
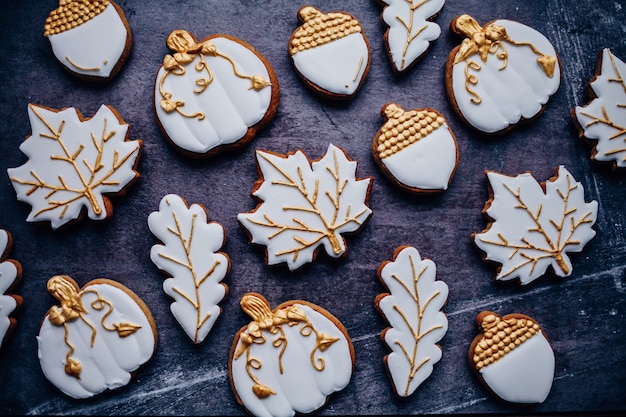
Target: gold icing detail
{"x":272,"y":322}
{"x":553,"y":249}
{"x":618,"y":78}
{"x":72,"y":158}
{"x":490,"y":40}
{"x":312,"y":207}
{"x":321,"y":28}
{"x":410,"y":34}
{"x":64,"y":289}
{"x":187,"y":263}
{"x":72,"y":13}
{"x":75,"y":65}
{"x":403,"y":128}
{"x":187,"y":49}
{"x":500,"y":336}
{"x":416,"y":333}
{"x":621,"y":130}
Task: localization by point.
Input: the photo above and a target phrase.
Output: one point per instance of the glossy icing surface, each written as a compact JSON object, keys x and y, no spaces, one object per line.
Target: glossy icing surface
{"x":8,"y":275}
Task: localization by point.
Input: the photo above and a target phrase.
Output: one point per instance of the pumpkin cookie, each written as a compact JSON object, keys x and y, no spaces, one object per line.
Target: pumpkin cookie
{"x":502,"y":74}
{"x":96,"y":339}
{"x":10,"y":276}
{"x":91,"y":39}
{"x":213,"y":95}
{"x":288,"y":359}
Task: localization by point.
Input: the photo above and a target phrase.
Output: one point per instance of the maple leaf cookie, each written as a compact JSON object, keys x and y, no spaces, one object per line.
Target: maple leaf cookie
{"x":306,"y":205}
{"x":602,"y":122}
{"x":533,"y":226}
{"x":289,"y":359}
{"x":74,"y":164}
{"x":213,"y":95}
{"x":503,"y":73}
{"x":91,"y":39}
{"x":10,"y":276}
{"x":513,"y":358}
{"x":409,"y":30}
{"x":98,"y":337}
{"x":330,"y":53}
{"x":415,"y":149}
{"x":413,"y":309}
{"x":190,"y":256}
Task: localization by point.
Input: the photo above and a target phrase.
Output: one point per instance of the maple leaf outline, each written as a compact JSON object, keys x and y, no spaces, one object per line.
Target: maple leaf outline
{"x":416,"y":329}
{"x":190,"y":256}
{"x":314,"y":215}
{"x":531,"y":229}
{"x":61,"y":178}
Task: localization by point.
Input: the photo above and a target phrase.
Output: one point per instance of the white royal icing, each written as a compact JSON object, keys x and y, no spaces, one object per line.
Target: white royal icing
{"x":300,"y":388}
{"x":190,"y":256}
{"x":404,"y":45}
{"x":518,"y":91}
{"x":109,"y":363}
{"x":48,"y":160}
{"x":604,"y":118}
{"x":229,"y":104}
{"x":308,"y":203}
{"x":525,"y":374}
{"x":413,"y":309}
{"x":92,"y":48}
{"x":8,"y":275}
{"x":337,"y":67}
{"x":426,"y":164}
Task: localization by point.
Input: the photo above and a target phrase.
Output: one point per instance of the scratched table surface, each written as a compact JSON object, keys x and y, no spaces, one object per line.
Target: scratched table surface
{"x":583,"y":314}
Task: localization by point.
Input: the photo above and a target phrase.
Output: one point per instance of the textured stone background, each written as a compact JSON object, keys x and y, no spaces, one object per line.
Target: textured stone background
{"x":584,"y":315}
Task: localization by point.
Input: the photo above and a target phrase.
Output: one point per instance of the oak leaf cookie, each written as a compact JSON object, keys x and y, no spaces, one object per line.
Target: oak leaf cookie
{"x":10,"y":277}
{"x":409,"y":30}
{"x":289,"y":359}
{"x":513,"y":358}
{"x":330,"y":53}
{"x":602,"y":122}
{"x":502,"y":74}
{"x":213,"y":95}
{"x":532,"y":226}
{"x":415,"y":149}
{"x":189,"y":254}
{"x":97,"y":338}
{"x":305,"y":205}
{"x":74,"y":164}
{"x":413,"y":309}
{"x":91,"y":39}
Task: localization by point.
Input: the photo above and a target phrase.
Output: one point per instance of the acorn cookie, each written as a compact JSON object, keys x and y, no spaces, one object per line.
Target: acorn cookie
{"x":415,"y":149}
{"x":330,"y":53}
{"x":91,"y":39}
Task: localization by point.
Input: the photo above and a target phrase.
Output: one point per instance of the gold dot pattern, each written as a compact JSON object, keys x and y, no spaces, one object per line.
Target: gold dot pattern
{"x":72,"y":13}
{"x":405,"y":128}
{"x":321,"y":28}
{"x":500,"y":337}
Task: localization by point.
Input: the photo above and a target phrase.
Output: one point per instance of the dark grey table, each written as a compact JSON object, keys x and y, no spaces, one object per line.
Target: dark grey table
{"x":584,"y":315}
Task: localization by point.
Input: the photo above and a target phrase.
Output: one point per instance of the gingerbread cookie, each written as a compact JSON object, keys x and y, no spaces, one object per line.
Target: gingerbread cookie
{"x":10,"y":277}
{"x":513,"y":358}
{"x":190,"y":256}
{"x":213,"y":95}
{"x":409,"y":30}
{"x":415,"y":149}
{"x":288,"y":359}
{"x":602,"y":122}
{"x":96,"y":339}
{"x":413,"y":309}
{"x":305,"y":205}
{"x":502,"y":74}
{"x":91,"y":39}
{"x":74,"y":164}
{"x":330,"y":53}
{"x":534,"y":226}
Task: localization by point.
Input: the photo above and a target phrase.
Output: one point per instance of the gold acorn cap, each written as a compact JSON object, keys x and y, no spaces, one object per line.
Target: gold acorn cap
{"x":72,"y":13}
{"x":500,"y":336}
{"x":404,"y":128}
{"x":319,"y":28}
